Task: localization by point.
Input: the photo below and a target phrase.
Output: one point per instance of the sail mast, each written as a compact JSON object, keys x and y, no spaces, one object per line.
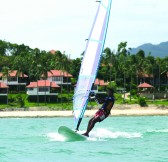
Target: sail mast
{"x":91,"y":60}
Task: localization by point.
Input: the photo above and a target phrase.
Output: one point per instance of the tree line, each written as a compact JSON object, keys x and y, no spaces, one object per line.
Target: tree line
{"x":119,"y":66}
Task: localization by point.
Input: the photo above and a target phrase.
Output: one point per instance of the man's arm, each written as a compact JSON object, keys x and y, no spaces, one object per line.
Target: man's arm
{"x":93,"y":96}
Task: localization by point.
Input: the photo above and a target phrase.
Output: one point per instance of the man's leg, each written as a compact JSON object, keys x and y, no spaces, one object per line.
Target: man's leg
{"x":91,"y":125}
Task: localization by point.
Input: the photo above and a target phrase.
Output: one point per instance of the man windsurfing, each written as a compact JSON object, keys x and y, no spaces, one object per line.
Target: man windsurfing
{"x":103,"y":112}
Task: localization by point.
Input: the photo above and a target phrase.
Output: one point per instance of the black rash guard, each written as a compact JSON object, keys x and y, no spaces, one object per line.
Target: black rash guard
{"x":108,"y":103}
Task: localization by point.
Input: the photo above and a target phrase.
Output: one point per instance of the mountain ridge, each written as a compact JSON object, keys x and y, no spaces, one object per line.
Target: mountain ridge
{"x":156,"y":50}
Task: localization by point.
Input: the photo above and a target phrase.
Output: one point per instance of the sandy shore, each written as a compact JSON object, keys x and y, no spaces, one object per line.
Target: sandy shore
{"x":118,"y":110}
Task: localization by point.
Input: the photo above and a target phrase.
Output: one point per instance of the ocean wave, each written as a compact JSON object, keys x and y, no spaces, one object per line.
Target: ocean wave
{"x":158,"y":131}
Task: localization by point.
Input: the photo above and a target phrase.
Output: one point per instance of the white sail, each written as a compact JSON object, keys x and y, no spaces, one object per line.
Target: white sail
{"x":91,"y":59}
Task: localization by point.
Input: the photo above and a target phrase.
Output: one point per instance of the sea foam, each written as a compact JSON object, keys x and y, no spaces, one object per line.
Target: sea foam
{"x":105,"y":134}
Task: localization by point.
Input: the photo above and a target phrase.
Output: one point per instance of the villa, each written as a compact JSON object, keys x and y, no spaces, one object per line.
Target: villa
{"x":14,"y":81}
{"x":99,"y":84}
{"x":42,"y":87}
{"x":60,"y":77}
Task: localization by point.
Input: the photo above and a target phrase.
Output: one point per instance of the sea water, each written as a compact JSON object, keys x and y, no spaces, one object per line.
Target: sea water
{"x":116,"y":139}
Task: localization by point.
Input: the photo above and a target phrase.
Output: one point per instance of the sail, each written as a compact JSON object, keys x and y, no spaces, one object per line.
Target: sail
{"x":91,"y":59}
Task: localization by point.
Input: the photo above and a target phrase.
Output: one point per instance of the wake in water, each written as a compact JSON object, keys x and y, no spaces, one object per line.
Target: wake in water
{"x":99,"y":134}
{"x":155,"y":132}
{"x":158,"y":131}
{"x":102,"y":133}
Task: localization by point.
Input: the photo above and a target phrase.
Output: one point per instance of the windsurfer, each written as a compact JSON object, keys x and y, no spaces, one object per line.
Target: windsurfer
{"x":103,"y":112}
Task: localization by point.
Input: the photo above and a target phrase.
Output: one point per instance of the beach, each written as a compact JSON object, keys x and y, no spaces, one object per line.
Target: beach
{"x":118,"y":110}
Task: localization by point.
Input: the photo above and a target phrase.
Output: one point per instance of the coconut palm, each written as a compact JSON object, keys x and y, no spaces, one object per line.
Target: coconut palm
{"x":35,"y":66}
{"x":5,"y":75}
{"x":19,"y":65}
{"x":140,"y":57}
{"x":108,"y":61}
{"x":131,"y":71}
{"x":62,"y":63}
{"x":122,"y":55}
{"x":44,"y":68}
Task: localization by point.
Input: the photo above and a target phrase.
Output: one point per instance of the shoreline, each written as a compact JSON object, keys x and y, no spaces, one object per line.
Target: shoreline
{"x":118,"y":110}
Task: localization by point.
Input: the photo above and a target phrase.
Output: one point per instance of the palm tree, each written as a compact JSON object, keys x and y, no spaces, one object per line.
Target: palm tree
{"x":165,"y":70}
{"x":19,"y":65}
{"x":131,"y":71}
{"x":5,"y":75}
{"x":140,"y":57}
{"x":122,"y":54}
{"x":162,"y":67}
{"x":44,"y":69}
{"x":108,"y":61}
{"x":158,"y":64}
{"x":67,"y":69}
{"x":61,"y":63}
{"x":35,"y":68}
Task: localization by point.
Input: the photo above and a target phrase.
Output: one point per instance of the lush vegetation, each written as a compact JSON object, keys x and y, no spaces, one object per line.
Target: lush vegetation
{"x":20,"y":101}
{"x":120,"y":68}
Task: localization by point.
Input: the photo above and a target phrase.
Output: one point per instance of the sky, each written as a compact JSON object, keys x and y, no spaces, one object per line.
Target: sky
{"x":65,"y":24}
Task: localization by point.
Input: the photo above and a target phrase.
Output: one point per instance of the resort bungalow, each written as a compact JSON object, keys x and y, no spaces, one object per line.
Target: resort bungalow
{"x":145,"y":87}
{"x":99,"y":86}
{"x":14,"y":80}
{"x":60,"y":77}
{"x":148,"y":91}
{"x":42,"y":88}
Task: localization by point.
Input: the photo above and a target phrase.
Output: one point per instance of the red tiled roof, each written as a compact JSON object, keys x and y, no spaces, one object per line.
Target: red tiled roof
{"x":3,"y":85}
{"x":96,"y":82}
{"x":58,"y":73}
{"x":52,"y":51}
{"x":13,"y":73}
{"x":145,"y":75}
{"x":148,"y":75}
{"x":32,"y":85}
{"x":54,"y":85}
{"x":100,"y":82}
{"x":145,"y":85}
{"x":42,"y":83}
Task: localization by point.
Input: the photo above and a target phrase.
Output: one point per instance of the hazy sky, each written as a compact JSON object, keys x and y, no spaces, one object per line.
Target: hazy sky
{"x":65,"y":24}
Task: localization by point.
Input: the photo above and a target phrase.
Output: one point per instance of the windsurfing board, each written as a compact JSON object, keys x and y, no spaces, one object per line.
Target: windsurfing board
{"x":70,"y":135}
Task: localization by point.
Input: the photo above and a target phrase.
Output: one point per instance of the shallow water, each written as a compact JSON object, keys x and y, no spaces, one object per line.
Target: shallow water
{"x":118,"y":139}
